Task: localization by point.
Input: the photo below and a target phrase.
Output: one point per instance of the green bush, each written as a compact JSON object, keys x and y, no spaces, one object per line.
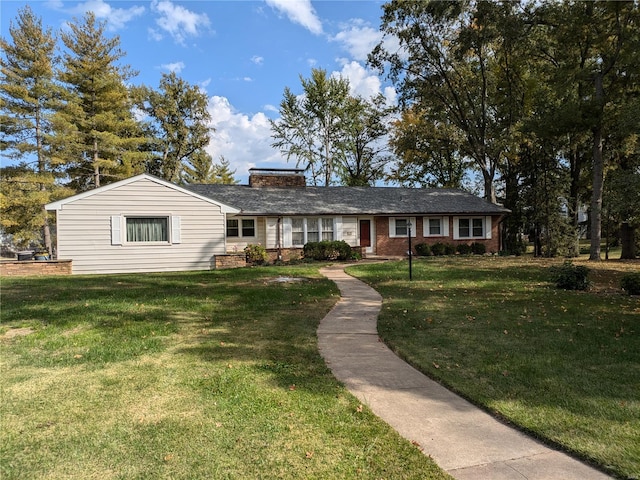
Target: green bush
{"x":438,"y":249}
{"x":256,"y":254}
{"x":423,"y":250}
{"x":570,"y":276}
{"x":449,"y":249}
{"x":631,"y":283}
{"x":478,"y":248}
{"x":464,"y":249}
{"x":327,"y":250}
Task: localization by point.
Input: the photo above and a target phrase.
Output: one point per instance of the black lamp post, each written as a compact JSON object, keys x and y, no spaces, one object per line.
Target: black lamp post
{"x":410,"y":253}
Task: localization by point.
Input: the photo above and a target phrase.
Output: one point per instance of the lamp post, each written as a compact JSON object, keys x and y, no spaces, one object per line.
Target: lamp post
{"x":410,"y":254}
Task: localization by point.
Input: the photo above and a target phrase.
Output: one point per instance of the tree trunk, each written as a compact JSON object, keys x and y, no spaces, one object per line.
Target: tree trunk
{"x":598,"y":178}
{"x":627,"y":237}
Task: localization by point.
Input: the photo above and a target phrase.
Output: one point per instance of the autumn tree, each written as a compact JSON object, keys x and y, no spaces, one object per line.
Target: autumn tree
{"x":428,"y":150}
{"x":96,"y":136}
{"x":28,"y":97}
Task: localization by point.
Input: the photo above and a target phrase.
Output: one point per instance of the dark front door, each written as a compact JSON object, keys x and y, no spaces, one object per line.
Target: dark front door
{"x":365,"y":233}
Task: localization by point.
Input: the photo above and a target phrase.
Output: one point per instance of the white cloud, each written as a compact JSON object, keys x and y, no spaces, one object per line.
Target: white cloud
{"x":245,"y":141}
{"x":358,"y":38}
{"x":300,"y":12}
{"x":116,"y":18}
{"x":175,"y":67}
{"x":363,"y":82}
{"x":257,"y":59}
{"x":177,"y":21}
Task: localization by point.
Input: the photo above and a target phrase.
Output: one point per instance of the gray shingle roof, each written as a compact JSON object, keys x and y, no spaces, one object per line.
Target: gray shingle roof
{"x":276,"y":201}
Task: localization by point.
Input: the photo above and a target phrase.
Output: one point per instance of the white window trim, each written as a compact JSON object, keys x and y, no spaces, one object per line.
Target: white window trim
{"x":392,"y":227}
{"x":444,"y":227}
{"x":119,"y":229}
{"x":240,"y":219}
{"x":486,"y":227}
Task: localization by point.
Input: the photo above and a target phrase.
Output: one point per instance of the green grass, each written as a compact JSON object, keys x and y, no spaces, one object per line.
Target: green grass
{"x":182,"y":375}
{"x":563,"y":365}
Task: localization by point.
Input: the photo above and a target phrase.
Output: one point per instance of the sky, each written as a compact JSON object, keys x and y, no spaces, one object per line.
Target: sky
{"x":241,"y":53}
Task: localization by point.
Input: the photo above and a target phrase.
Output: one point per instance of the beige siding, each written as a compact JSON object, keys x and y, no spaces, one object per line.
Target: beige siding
{"x":84,"y":231}
{"x":350,"y":231}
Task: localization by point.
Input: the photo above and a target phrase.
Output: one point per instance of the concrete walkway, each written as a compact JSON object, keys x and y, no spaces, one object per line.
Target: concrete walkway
{"x":462,"y":439}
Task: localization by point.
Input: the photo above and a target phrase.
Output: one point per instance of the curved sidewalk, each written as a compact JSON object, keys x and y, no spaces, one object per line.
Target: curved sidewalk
{"x":462,"y":439}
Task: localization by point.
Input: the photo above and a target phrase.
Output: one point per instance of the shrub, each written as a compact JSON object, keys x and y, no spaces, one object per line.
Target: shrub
{"x":438,"y":249}
{"x":570,"y":276}
{"x":478,"y":248}
{"x":327,"y":250}
{"x":449,"y":249}
{"x":631,"y":283}
{"x":464,"y":249}
{"x":423,"y":250}
{"x":256,"y":254}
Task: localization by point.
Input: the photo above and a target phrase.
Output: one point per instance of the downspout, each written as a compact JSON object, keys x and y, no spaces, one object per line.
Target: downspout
{"x":279,"y":238}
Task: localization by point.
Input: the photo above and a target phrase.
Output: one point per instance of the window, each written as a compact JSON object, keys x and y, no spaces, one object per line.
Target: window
{"x":473,"y":227}
{"x":245,"y":227}
{"x":327,"y":229}
{"x":232,"y":228}
{"x":248,"y":227}
{"x":435,"y":227}
{"x":311,"y":229}
{"x":147,"y":229}
{"x":399,"y":227}
{"x":313,"y":232}
{"x":297,"y":231}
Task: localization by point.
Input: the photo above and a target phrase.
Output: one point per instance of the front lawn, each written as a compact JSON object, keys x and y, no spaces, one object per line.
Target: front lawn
{"x":182,"y":376}
{"x":563,"y":365}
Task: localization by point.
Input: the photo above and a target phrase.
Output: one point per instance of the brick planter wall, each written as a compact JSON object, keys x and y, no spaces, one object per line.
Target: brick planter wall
{"x":230,"y":260}
{"x":36,"y":267}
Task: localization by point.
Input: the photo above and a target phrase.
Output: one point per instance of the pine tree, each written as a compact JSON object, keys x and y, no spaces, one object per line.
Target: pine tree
{"x":28,"y":97}
{"x":97,"y":137}
{"x":202,"y":169}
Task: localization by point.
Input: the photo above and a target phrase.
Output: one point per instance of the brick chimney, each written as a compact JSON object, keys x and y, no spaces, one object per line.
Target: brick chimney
{"x":276,"y":177}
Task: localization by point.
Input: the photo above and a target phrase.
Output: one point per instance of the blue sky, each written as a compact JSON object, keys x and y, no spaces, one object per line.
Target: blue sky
{"x":242,"y":53}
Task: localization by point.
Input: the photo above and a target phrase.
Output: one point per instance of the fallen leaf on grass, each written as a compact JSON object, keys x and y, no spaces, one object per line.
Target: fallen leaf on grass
{"x":292,"y":387}
{"x":359,"y":408}
{"x":309,"y":454}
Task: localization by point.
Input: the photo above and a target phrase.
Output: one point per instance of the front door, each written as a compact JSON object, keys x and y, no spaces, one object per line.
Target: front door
{"x":365,"y":234}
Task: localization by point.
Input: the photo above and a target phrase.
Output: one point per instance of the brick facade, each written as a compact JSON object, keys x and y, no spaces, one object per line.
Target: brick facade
{"x":36,"y":267}
{"x":398,"y":247}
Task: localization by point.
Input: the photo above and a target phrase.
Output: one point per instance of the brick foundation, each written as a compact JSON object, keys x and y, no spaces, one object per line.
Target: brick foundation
{"x":36,"y":267}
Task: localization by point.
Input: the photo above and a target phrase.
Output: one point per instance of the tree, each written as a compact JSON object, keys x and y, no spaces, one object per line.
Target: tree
{"x":96,"y":135}
{"x":593,"y":46}
{"x":429,"y":150}
{"x":28,"y":97}
{"x":364,"y":128}
{"x":448,"y":61}
{"x":310,"y":125}
{"x":178,"y":124}
{"x":202,"y":169}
